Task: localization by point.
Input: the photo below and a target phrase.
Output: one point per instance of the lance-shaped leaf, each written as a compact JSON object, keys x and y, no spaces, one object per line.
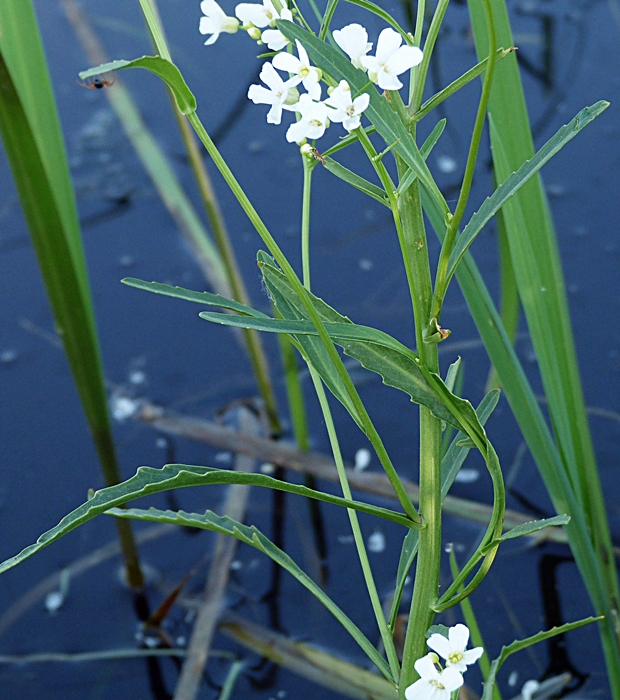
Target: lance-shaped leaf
{"x":148,"y":481}
{"x":253,"y":537}
{"x":205,"y":298}
{"x":396,"y":364}
{"x":356,"y":180}
{"x":387,"y":123}
{"x":514,"y":182}
{"x":162,"y":68}
{"x":524,"y":644}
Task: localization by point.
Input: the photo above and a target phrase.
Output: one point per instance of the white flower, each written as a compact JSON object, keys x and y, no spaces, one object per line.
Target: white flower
{"x":353,"y":40}
{"x":433,"y":685}
{"x":453,"y":648}
{"x":264,"y":15}
{"x":277,"y":94}
{"x":274,"y":38}
{"x":314,"y":120}
{"x":391,"y":60}
{"x":346,"y":110}
{"x":309,"y":75}
{"x":215,"y":21}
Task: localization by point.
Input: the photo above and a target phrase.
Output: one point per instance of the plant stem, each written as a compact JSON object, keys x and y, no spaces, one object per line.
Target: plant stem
{"x":426,"y":582}
{"x":254,"y":346}
{"x":441,"y":279}
{"x":386,"y":635}
{"x":313,"y":315}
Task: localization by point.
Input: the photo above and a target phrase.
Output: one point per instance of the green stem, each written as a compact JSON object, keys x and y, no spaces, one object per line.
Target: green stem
{"x":313,"y":315}
{"x":305,"y":222}
{"x":441,"y":280}
{"x":429,"y":44}
{"x":386,"y":636}
{"x":254,"y":346}
{"x":426,"y":583}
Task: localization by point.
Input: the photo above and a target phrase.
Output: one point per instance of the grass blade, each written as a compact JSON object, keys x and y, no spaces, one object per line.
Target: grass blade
{"x":35,"y":149}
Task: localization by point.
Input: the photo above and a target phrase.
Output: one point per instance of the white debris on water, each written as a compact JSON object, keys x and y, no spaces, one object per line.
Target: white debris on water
{"x":223,"y":457}
{"x":122,"y":407}
{"x":513,"y":678}
{"x":376,"y":542}
{"x":365,"y":264}
{"x":446,"y":164}
{"x":267,"y":468}
{"x":362,"y":459}
{"x":8,"y":356}
{"x":467,"y":476}
{"x":137,"y":376}
{"x":54,"y":600}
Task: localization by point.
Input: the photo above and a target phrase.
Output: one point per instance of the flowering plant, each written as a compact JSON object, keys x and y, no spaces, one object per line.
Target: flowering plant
{"x":311,"y":84}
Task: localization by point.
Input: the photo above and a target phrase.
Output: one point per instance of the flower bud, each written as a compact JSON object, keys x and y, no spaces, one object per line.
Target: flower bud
{"x":292,"y":97}
{"x":230,"y":25}
{"x":254,"y":33}
{"x":306,"y":150}
{"x":434,"y":657}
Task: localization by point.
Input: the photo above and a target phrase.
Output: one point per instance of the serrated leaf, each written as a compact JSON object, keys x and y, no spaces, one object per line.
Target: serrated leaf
{"x":514,"y":182}
{"x":524,"y":644}
{"x":396,"y":364}
{"x":534,"y":526}
{"x":253,"y":537}
{"x":149,"y":481}
{"x":387,"y":123}
{"x":162,"y":68}
{"x":205,"y":298}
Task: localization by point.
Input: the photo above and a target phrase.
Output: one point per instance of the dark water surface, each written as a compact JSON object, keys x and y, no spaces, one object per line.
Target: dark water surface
{"x":158,"y":348}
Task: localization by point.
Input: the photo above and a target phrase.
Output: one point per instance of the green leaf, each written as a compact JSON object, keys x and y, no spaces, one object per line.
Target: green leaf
{"x":34,"y":147}
{"x":457,"y":84}
{"x":534,"y":526}
{"x":358,"y":182}
{"x":408,"y":553}
{"x":427,"y":147}
{"x":162,"y":68}
{"x":375,"y":350}
{"x":385,"y":16}
{"x":253,"y":537}
{"x":524,"y":644}
{"x":387,"y":123}
{"x":516,"y":180}
{"x":205,"y":298}
{"x":149,"y":481}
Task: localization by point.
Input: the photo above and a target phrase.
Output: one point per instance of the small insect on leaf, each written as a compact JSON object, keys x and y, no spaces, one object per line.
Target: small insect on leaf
{"x":98,"y":82}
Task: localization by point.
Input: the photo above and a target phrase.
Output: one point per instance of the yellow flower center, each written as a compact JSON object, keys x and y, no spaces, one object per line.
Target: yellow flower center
{"x":437,"y":684}
{"x":455,"y":657}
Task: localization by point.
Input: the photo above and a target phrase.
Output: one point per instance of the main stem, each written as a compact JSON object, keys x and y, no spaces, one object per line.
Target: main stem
{"x":426,"y":582}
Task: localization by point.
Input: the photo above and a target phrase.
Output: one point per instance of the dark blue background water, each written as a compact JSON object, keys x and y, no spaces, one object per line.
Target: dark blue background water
{"x":188,"y":365}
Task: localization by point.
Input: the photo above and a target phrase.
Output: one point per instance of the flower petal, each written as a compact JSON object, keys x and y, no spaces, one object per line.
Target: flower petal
{"x":420,"y":690}
{"x":270,"y":77}
{"x":296,"y":132}
{"x":361,"y":102}
{"x":286,"y":62}
{"x":405,"y":58}
{"x":426,"y":668}
{"x":261,"y":96}
{"x":353,"y":40}
{"x":274,"y":115}
{"x":472,"y":655}
{"x":437,"y":642}
{"x":387,"y":44}
{"x":274,"y":39}
{"x":387,"y":81}
{"x":251,"y":12}
{"x":459,"y":636}
{"x":451,"y":679}
{"x":211,"y":9}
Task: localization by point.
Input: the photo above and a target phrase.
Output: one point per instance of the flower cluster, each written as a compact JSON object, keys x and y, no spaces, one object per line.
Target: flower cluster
{"x":437,"y":683}
{"x":313,"y":114}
